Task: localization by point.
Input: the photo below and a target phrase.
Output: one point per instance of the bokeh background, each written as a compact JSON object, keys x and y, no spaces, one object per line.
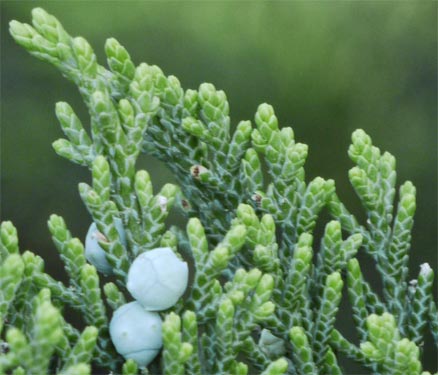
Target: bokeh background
{"x":326,"y":67}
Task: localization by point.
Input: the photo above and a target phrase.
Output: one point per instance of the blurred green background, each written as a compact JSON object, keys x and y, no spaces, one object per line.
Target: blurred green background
{"x":326,"y":67}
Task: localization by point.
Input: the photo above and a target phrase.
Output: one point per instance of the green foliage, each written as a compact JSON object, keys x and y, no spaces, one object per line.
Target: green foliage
{"x":33,"y":328}
{"x":176,"y":352}
{"x":392,"y":354}
{"x":257,"y":301}
{"x":302,"y":351}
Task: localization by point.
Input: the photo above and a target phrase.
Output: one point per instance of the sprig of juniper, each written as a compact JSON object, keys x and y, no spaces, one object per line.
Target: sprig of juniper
{"x":252,"y":267}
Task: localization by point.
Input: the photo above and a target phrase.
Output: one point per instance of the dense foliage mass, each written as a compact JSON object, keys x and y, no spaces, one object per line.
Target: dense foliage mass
{"x":257,"y":300}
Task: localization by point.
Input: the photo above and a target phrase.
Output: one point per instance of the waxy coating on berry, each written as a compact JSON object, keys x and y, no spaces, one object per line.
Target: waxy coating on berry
{"x":157,"y":278}
{"x":136,"y":333}
{"x":94,"y":252}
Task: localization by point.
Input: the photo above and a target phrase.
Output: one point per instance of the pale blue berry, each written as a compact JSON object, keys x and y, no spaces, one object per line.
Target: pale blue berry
{"x":94,"y":252}
{"x":271,"y":345}
{"x":157,"y":278}
{"x":136,"y":333}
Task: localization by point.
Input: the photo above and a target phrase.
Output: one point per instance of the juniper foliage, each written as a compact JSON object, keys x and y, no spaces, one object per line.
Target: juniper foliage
{"x":259,"y":301}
